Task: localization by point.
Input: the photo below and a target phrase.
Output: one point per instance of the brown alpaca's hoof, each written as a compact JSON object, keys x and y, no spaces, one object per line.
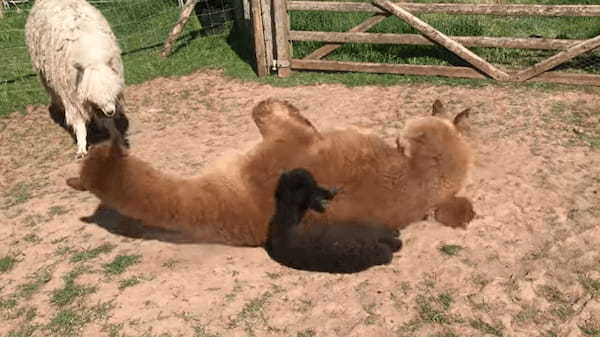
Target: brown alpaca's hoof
{"x":75,"y":183}
{"x":456,"y":212}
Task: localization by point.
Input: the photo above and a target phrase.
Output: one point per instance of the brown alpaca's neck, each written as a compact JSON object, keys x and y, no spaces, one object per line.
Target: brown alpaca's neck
{"x":137,"y":190}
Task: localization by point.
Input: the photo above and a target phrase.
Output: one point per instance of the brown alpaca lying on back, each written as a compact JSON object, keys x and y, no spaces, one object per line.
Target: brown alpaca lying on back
{"x":229,"y":203}
{"x":232,"y":203}
{"x":386,"y":184}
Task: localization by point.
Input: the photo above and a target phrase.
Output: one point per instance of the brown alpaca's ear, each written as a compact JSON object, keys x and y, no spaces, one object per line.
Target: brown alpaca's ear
{"x":438,"y":109}
{"x":461,"y":121}
{"x":76,"y":184}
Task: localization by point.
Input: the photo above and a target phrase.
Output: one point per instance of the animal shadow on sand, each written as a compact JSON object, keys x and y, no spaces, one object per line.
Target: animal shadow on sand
{"x":336,"y":247}
{"x":118,"y":224}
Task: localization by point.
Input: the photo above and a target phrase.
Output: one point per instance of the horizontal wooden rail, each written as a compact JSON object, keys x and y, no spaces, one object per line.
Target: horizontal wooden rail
{"x":415,"y":39}
{"x":468,"y":9}
{"x":409,"y":69}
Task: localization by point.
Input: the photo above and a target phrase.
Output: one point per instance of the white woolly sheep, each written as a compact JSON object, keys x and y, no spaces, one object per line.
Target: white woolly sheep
{"x":78,"y":60}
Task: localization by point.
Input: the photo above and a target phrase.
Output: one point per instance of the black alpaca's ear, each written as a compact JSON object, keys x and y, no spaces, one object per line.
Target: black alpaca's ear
{"x":461,"y":121}
{"x":438,"y":108}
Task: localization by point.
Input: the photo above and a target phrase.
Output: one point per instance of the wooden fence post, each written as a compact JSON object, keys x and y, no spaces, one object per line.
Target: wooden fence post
{"x":262,"y":67}
{"x":267,"y":17}
{"x":282,"y":42}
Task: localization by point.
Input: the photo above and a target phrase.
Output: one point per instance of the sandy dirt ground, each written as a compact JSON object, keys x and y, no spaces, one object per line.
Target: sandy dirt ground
{"x":528,"y":265}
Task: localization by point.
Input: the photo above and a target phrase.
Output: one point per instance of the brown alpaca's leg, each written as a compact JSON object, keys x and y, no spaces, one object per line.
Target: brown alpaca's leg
{"x":76,"y":184}
{"x":280,"y":119}
{"x":455,"y":212}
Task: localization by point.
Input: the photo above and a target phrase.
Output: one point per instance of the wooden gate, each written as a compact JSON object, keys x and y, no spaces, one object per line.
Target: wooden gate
{"x":273,"y":40}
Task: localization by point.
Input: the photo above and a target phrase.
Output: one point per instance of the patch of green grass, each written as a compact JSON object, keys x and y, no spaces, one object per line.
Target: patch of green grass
{"x":89,"y":254}
{"x":273,"y":276}
{"x":120,"y":263}
{"x":170,"y":263}
{"x":7,"y":263}
{"x":306,"y":333}
{"x":485,"y":327}
{"x":548,"y":333}
{"x":527,"y":315}
{"x":70,"y":321}
{"x":575,"y":124}
{"x":71,"y":291}
{"x":130,"y":282}
{"x":200,"y":331}
{"x":590,"y":285}
{"x":450,"y":250}
{"x":38,"y":279}
{"x":25,"y":330}
{"x":57,"y":210}
{"x":251,"y":313}
{"x":18,"y":194}
{"x":32,"y":220}
{"x":237,"y":288}
{"x":590,"y":329}
{"x":67,"y":322}
{"x":63,"y":250}
{"x":372,"y":316}
{"x":552,"y":294}
{"x":8,"y":303}
{"x":32,"y":238}
{"x":562,"y":311}
{"x":434,"y":309}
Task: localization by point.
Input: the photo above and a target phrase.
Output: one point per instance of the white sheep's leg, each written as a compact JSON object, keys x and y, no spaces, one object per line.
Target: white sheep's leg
{"x":81,"y":135}
{"x":77,"y":121}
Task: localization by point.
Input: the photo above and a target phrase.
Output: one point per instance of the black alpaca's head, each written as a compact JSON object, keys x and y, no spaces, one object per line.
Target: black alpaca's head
{"x":298,"y":188}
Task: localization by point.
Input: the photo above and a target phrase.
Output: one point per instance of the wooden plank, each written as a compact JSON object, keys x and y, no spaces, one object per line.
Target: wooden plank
{"x":183,"y":18}
{"x":329,"y":48}
{"x":262,"y":67}
{"x":265,"y":6}
{"x":557,"y":59}
{"x":443,"y":40}
{"x":468,"y":9}
{"x":281,"y":21}
{"x":567,"y":78}
{"x":407,"y":69}
{"x":461,"y":72}
{"x":415,"y":39}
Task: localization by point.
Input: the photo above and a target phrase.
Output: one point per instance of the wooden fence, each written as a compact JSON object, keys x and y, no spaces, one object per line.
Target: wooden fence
{"x":273,"y":40}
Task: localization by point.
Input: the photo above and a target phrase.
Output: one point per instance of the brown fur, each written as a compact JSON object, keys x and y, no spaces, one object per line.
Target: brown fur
{"x":395,"y":186}
{"x":455,"y":212}
{"x":231,"y":202}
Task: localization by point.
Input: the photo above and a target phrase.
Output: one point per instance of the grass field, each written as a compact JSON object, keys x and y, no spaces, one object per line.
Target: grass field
{"x":142,"y":25}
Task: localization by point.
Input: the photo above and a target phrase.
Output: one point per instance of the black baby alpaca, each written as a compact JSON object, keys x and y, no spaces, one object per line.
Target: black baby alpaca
{"x":333,"y":248}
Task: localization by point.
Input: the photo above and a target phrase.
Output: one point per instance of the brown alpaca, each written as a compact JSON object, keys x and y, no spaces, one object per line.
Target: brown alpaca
{"x":230,"y":203}
{"x":394,"y":186}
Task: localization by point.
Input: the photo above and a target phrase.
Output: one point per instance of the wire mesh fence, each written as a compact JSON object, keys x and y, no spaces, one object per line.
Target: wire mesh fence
{"x":141,"y":26}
